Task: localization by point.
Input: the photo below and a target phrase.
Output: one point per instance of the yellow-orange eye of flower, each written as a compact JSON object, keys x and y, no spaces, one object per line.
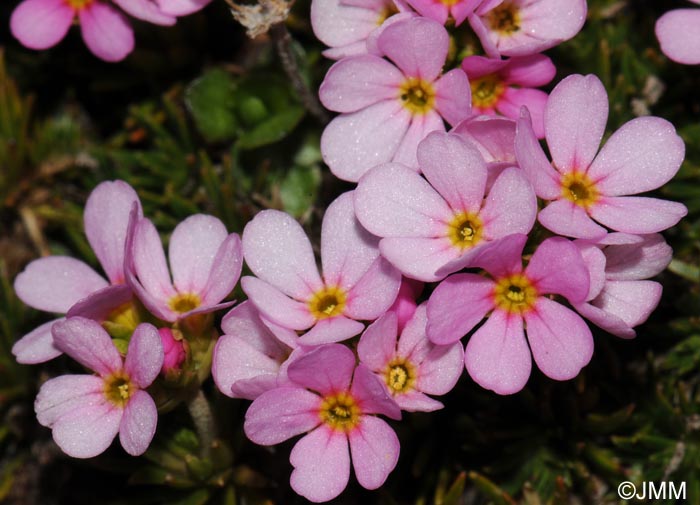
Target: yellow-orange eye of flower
{"x":465,"y":230}
{"x":486,"y":91}
{"x":417,"y":95}
{"x":328,"y":302}
{"x":340,"y":411}
{"x":400,"y":376}
{"x":505,"y":19}
{"x":118,"y":389}
{"x":515,"y":294}
{"x":578,"y":188}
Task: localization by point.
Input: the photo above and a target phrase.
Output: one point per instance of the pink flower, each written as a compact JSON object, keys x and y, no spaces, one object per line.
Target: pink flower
{"x":252,"y":355}
{"x":411,"y":367}
{"x":504,"y":86}
{"x":181,"y":7}
{"x":60,"y":284}
{"x":678,"y":34}
{"x":345,"y":25}
{"x":433,"y":226}
{"x":40,"y":24}
{"x":522,"y":27}
{"x":204,"y":259}
{"x":497,"y":356}
{"x":388,"y":108}
{"x":357,"y":283}
{"x":86,"y":412}
{"x":619,"y":297}
{"x":334,"y":402}
{"x":405,"y":304}
{"x":440,"y":10}
{"x":585,"y":190}
{"x":174,"y":353}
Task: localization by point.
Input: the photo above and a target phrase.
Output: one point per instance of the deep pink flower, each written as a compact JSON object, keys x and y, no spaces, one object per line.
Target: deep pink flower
{"x":504,"y":86}
{"x":585,"y":190}
{"x":440,"y":10}
{"x":410,"y":366}
{"x":40,"y":24}
{"x":174,"y":353}
{"x":389,"y":107}
{"x":334,"y":402}
{"x":678,"y":34}
{"x":357,"y":284}
{"x":86,"y":412}
{"x":405,"y":304}
{"x":252,"y":355}
{"x":431,"y":227}
{"x":60,"y":284}
{"x":205,"y":261}
{"x":522,"y":27}
{"x":620,"y":297}
{"x":497,"y":356}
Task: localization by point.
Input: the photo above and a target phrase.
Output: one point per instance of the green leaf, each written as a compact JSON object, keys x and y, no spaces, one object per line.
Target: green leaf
{"x":211,"y":100}
{"x":273,"y":129}
{"x":299,"y":189}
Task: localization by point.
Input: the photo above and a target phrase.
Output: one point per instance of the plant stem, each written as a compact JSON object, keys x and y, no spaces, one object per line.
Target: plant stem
{"x":203,"y":420}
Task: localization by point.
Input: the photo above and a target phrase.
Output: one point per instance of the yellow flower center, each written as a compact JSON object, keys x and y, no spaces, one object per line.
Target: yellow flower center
{"x":328,"y":302}
{"x":505,"y":19}
{"x":515,"y":294}
{"x":449,"y":3}
{"x":417,"y":95}
{"x":579,"y":188}
{"x":400,"y":376}
{"x":340,"y":412}
{"x":486,"y":91}
{"x":184,"y":302}
{"x":119,"y":388}
{"x":465,"y":230}
{"x":386,"y":12}
{"x":79,"y":4}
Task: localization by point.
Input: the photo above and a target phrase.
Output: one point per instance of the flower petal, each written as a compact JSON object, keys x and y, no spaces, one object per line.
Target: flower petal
{"x":531,"y":158}
{"x":458,"y":304}
{"x":106,"y":31}
{"x":420,"y":127}
{"x":146,"y":10}
{"x":609,"y":322}
{"x":88,"y":343}
{"x":353,"y":143}
{"x":420,"y":258}
{"x":321,"y":464}
{"x":574,"y":121}
{"x":560,"y":340}
{"x":494,"y":137}
{"x":372,"y":395}
{"x":637,"y":214}
{"x":557,"y":267}
{"x":631,"y":301}
{"x":638,"y":261}
{"x":149,"y":263}
{"x":55,"y":283}
{"x":337,"y":24}
{"x":244,"y":322}
{"x":181,"y":7}
{"x":278,"y":251}
{"x":36,"y":346}
{"x":374,"y":292}
{"x":531,"y":71}
{"x":40,"y":24}
{"x":225,"y":271}
{"x":441,"y":369}
{"x":453,"y":96}
{"x":327,"y":369}
{"x":501,"y":257}
{"x":513,"y":99}
{"x":88,"y":430}
{"x":374,"y":447}
{"x":564,"y":217}
{"x":678,"y":35}
{"x":144,"y":358}
{"x":61,"y":395}
{"x":280,"y":414}
{"x":138,"y":424}
{"x":236,"y":359}
{"x":334,"y":329}
{"x":510,"y":207}
{"x":497,"y":356}
{"x":276,"y":306}
{"x":101,"y":304}
{"x":377,"y":344}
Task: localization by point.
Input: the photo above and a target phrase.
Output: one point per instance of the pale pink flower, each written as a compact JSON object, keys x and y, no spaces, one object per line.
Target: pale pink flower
{"x":410,"y":366}
{"x":585,"y":190}
{"x":431,"y":227}
{"x":335,"y":402}
{"x":357,"y":283}
{"x":345,"y":25}
{"x":522,"y":27}
{"x":252,"y":355}
{"x":205,"y":261}
{"x":181,"y":7}
{"x":389,"y":107}
{"x":679,"y":36}
{"x":40,"y":24}
{"x":441,"y":10}
{"x":498,"y":356}
{"x":86,"y":412}
{"x":620,"y":297}
{"x":61,"y":284}
{"x":504,"y":86}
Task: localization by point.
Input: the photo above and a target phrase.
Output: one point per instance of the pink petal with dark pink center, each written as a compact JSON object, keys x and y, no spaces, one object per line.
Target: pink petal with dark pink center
{"x":574,"y":121}
{"x":106,"y":31}
{"x":418,"y":46}
{"x":457,"y":305}
{"x":560,"y":340}
{"x":644,"y":154}
{"x":375,"y":451}
{"x":637,"y":214}
{"x":138,"y":424}
{"x":497,"y":356}
{"x":280,"y":414}
{"x":321,"y":464}
{"x":87,"y":343}
{"x":557,"y":267}
{"x":55,"y":283}
{"x":354,"y":83}
{"x":40,"y":24}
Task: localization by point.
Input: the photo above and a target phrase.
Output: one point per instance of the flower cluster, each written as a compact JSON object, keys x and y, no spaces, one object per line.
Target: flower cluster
{"x":40,"y":24}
